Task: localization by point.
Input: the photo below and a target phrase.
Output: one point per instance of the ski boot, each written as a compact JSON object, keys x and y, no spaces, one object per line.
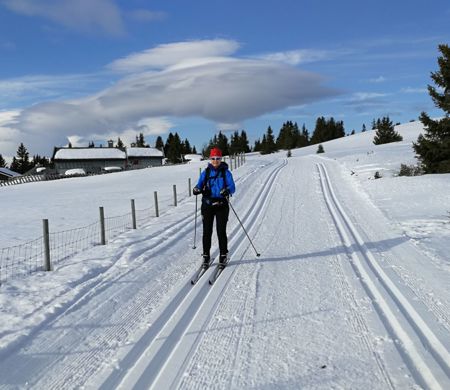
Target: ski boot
{"x":223,"y":260}
{"x":206,"y":261}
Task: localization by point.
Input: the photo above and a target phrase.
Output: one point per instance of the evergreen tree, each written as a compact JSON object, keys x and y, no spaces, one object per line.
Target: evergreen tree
{"x":140,"y":141}
{"x":159,"y":144}
{"x":374,"y":124}
{"x":268,"y":143}
{"x":257,"y":146}
{"x":2,"y":162}
{"x":433,"y":147}
{"x":70,"y":145}
{"x":363,"y":128}
{"x":353,"y":132}
{"x":385,"y":132}
{"x":222,"y":143}
{"x":91,"y":144}
{"x":14,"y":165}
{"x":194,"y":151}
{"x":243,"y":142}
{"x":304,"y":138}
{"x":173,"y":148}
{"x":22,"y":163}
{"x":120,"y":144}
{"x":320,"y":149}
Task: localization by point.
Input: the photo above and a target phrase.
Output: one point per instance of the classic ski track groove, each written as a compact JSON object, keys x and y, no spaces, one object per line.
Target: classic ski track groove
{"x":94,"y":287}
{"x":366,"y":266}
{"x":150,"y":369}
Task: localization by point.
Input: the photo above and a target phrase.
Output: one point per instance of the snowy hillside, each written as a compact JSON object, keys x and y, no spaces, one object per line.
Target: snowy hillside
{"x":350,"y":290}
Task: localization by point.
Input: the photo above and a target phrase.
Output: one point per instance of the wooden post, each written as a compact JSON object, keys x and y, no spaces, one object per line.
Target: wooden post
{"x":156,"y":203}
{"x":102,"y":227}
{"x":133,"y":213}
{"x":189,"y":187}
{"x":200,"y":169}
{"x":175,"y":195}
{"x":47,"y":262}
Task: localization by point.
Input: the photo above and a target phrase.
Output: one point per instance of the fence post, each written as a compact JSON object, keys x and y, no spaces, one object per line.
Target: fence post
{"x":156,"y":203}
{"x":231,"y":163}
{"x":200,"y":169}
{"x":175,"y":195}
{"x":102,"y":227}
{"x":133,"y":213}
{"x":189,"y":187}
{"x":47,"y":263}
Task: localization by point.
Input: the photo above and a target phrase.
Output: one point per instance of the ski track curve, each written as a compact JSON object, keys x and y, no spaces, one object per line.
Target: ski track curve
{"x":425,"y":355}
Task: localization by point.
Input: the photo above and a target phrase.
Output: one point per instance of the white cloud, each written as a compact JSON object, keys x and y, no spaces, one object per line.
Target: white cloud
{"x":376,"y":80}
{"x":79,"y":15}
{"x":224,"y":90}
{"x":174,"y":53}
{"x":296,"y":57}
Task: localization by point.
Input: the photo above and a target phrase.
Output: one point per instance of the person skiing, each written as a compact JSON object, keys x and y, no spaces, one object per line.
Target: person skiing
{"x":216,"y":184}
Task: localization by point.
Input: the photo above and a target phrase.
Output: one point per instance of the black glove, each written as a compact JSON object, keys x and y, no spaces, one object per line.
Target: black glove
{"x":196,"y":191}
{"x":225,"y":192}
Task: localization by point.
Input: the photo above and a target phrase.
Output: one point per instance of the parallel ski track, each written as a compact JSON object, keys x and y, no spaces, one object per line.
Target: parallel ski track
{"x":146,"y":365}
{"x":389,"y":301}
{"x":92,"y":287}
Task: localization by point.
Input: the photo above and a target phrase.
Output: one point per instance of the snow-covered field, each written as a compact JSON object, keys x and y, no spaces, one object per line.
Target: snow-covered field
{"x":351,"y":289}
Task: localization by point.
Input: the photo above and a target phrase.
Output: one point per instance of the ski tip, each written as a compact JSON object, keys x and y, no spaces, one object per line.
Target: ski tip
{"x":258,"y":254}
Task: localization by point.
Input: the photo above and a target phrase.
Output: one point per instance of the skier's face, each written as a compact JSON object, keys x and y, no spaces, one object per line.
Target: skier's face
{"x":215,"y":161}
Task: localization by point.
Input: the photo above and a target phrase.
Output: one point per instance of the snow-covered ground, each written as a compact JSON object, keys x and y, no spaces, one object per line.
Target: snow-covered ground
{"x":351,"y":289}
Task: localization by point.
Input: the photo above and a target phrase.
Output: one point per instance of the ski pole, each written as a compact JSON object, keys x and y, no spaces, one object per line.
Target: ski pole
{"x":195,"y":223}
{"x":234,"y":211}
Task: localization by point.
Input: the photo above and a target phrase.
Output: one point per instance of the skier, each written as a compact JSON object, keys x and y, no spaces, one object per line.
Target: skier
{"x":216,"y":184}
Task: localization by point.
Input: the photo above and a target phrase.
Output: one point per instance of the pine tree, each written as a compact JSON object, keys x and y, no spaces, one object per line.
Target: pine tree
{"x":22,"y":163}
{"x":194,"y":151}
{"x":363,"y":128}
{"x":2,"y":162}
{"x":243,"y":143}
{"x":159,"y":144}
{"x":268,"y":142}
{"x":320,"y":149}
{"x":120,"y":144}
{"x":140,"y":141}
{"x":433,"y":147}
{"x":385,"y":132}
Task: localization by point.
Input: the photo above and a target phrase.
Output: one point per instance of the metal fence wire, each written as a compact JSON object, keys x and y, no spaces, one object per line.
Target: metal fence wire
{"x":115,"y":226}
{"x":21,"y":259}
{"x":68,"y":243}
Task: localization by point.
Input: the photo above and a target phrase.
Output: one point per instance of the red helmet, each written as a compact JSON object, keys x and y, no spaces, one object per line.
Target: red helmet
{"x":215,"y":152}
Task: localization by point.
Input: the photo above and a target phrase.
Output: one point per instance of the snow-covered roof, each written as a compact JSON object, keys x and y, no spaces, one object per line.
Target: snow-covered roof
{"x":193,"y":157}
{"x":8,"y":172}
{"x":144,"y":152}
{"x":89,"y":154}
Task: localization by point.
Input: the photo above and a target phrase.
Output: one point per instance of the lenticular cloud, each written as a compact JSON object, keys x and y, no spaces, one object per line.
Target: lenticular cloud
{"x":207,"y":84}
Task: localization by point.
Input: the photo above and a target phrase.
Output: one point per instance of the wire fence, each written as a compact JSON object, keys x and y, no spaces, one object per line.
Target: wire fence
{"x":68,"y":243}
{"x":21,"y":259}
{"x":32,"y":256}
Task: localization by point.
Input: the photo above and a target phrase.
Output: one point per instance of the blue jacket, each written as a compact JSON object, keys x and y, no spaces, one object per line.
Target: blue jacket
{"x":215,"y":181}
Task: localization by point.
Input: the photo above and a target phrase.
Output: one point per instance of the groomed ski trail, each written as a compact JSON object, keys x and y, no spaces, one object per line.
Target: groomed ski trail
{"x":170,"y":339}
{"x":427,"y":358}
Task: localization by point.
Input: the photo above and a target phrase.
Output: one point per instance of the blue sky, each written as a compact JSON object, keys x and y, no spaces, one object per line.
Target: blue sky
{"x":98,"y":69}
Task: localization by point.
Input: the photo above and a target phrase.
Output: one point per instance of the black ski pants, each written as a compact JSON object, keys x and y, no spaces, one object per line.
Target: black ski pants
{"x":221,"y":214}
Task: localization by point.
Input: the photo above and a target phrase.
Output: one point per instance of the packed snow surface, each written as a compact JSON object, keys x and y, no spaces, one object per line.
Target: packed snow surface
{"x":351,"y":289}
